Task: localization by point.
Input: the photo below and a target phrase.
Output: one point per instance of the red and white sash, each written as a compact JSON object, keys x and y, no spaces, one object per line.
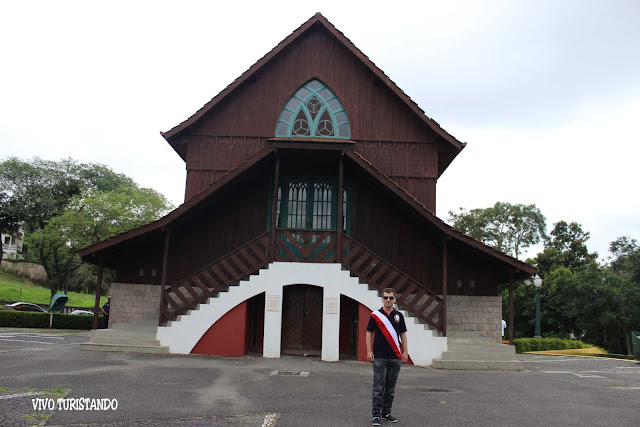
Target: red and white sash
{"x":388,"y":331}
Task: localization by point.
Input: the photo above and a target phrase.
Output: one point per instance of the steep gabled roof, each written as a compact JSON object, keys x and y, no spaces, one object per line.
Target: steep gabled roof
{"x":317,"y":19}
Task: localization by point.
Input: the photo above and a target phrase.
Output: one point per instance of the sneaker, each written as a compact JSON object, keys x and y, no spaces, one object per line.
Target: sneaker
{"x":375,"y":421}
{"x":390,"y":418}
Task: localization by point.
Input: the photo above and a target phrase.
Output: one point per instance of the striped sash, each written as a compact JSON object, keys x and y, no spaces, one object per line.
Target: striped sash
{"x":388,"y":331}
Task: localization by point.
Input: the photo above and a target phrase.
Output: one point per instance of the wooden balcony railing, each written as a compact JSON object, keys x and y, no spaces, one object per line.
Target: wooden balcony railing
{"x":301,"y":246}
{"x":305,"y":246}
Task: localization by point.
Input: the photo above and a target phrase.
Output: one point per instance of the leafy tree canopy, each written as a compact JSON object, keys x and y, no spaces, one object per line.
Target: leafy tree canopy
{"x":64,"y":206}
{"x":508,"y":228}
{"x":566,"y":246}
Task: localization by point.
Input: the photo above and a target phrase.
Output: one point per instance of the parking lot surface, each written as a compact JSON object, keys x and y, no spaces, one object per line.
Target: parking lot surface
{"x":177,"y":390}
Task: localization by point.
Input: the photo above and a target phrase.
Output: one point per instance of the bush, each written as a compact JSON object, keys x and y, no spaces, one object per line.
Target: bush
{"x":524,"y":345}
{"x":26,"y":319}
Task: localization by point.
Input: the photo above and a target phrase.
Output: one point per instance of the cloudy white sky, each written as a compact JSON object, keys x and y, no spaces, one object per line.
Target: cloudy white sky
{"x":545,"y":93}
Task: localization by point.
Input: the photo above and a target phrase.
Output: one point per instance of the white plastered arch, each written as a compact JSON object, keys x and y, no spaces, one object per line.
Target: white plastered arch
{"x":183,"y":334}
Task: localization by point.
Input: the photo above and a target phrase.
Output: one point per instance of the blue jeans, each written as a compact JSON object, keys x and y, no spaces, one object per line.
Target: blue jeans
{"x":385,"y":376}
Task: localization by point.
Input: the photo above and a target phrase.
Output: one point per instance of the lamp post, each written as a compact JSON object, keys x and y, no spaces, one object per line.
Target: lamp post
{"x":537,"y":282}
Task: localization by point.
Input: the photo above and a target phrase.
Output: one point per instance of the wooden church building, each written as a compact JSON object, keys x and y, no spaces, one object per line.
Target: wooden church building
{"x":311,"y":186}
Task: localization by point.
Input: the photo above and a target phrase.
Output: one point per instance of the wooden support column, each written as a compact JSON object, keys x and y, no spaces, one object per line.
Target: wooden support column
{"x":163,"y":278}
{"x":340,"y":213}
{"x":510,"y":326}
{"x":445,"y":261}
{"x":274,"y":209}
{"x":96,"y":307}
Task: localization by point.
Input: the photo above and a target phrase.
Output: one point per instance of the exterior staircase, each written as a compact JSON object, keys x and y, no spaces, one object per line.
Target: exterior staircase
{"x":135,"y":336}
{"x":182,"y":333}
{"x":469,"y":350}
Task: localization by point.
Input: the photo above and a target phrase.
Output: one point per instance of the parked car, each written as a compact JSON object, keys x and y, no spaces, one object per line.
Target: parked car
{"x":90,"y":313}
{"x":26,"y":306}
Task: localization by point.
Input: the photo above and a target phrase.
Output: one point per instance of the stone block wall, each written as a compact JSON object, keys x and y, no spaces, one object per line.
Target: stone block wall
{"x":33,"y":271}
{"x":134,"y":301}
{"x":475,"y":313}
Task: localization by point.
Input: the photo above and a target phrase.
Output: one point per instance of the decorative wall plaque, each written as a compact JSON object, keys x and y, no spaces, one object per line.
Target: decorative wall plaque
{"x":273,"y":303}
{"x":332,"y":305}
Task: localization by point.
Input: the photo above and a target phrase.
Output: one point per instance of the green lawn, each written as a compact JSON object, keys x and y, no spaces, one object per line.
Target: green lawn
{"x":11,"y":286}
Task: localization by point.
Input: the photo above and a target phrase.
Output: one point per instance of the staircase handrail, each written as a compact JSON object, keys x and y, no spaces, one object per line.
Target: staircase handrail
{"x":176,"y":284}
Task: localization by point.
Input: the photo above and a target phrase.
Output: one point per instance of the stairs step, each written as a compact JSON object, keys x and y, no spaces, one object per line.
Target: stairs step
{"x":471,"y":340}
{"x":125,"y":348}
{"x":135,"y":325}
{"x":114,"y":333}
{"x":478,"y":356}
{"x":461,"y":333}
{"x":125,"y":341}
{"x":482,"y":348}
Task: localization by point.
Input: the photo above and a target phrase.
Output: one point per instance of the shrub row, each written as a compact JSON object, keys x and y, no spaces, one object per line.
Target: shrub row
{"x":543,"y":344}
{"x":26,"y":319}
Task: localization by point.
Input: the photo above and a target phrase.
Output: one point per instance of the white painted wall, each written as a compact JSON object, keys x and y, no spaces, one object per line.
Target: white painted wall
{"x":184,"y":333}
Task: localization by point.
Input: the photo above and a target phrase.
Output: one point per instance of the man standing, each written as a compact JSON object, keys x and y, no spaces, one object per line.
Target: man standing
{"x":386,"y":354}
{"x":106,"y":308}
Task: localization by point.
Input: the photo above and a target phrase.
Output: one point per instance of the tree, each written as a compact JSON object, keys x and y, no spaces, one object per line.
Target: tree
{"x":9,"y":220}
{"x":508,"y":228}
{"x":41,"y":189}
{"x":66,"y":205}
{"x":623,"y":280}
{"x":565,"y":247}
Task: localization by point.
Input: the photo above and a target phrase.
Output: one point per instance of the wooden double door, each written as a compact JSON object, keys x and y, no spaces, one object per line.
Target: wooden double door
{"x":302,"y":320}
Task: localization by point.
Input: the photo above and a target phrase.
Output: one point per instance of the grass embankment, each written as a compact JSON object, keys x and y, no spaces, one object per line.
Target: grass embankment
{"x":15,"y":288}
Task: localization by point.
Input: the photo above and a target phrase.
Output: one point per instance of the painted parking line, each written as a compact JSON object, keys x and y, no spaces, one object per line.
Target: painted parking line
{"x":16,"y":395}
{"x":582,"y":374}
{"x":36,"y":342}
{"x":42,"y":336}
{"x":586,"y":375}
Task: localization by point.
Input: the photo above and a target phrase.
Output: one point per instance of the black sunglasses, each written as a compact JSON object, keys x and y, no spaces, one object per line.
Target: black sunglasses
{"x":391,"y":298}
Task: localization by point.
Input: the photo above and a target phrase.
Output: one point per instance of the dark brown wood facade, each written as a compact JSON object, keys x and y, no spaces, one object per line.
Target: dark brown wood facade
{"x":378,"y":219}
{"x":386,"y":131}
{"x":389,"y":167}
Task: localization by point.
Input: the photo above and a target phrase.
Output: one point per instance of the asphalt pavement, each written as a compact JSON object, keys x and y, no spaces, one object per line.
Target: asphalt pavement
{"x":154,"y":390}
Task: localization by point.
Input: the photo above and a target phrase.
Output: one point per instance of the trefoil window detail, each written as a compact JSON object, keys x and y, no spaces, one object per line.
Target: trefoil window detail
{"x":313,"y":111}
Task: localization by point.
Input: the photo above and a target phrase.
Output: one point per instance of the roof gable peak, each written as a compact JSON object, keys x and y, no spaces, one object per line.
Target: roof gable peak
{"x":316,"y":19}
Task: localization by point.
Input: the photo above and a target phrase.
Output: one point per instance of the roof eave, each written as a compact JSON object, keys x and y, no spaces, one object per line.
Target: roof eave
{"x":437,"y":222}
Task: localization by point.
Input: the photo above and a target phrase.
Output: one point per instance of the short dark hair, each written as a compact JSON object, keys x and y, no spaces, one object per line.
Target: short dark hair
{"x":389,"y":291}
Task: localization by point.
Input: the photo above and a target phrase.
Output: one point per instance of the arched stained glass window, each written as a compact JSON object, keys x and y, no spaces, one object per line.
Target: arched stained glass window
{"x":314,"y":111}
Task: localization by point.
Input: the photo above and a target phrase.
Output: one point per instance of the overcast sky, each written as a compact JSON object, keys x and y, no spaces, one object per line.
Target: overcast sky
{"x":545,"y":93}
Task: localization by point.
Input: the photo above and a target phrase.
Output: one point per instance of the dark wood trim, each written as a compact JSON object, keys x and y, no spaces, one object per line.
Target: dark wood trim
{"x":430,"y":216}
{"x":176,"y":213}
{"x":510,"y":326}
{"x":274,"y":207}
{"x":445,"y":278}
{"x":96,"y":307}
{"x":340,"y":213}
{"x":163,"y":279}
{"x":310,"y":145}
